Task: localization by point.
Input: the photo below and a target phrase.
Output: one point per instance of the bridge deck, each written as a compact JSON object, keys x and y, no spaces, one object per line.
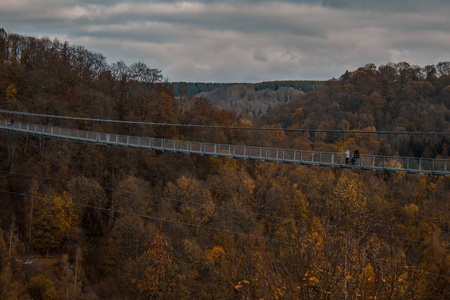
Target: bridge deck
{"x":306,"y":157}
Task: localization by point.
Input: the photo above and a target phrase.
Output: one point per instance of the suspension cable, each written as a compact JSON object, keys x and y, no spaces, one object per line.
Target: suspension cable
{"x":216,"y":229}
{"x":226,"y":127}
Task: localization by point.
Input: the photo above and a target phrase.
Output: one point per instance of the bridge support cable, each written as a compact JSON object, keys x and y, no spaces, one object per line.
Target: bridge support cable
{"x":335,"y":131}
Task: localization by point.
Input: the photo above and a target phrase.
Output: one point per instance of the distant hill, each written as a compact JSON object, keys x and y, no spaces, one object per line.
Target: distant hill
{"x":246,"y":99}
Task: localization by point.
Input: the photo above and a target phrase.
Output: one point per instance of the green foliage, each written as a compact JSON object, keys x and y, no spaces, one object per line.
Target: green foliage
{"x":195,"y":88}
{"x":303,"y":85}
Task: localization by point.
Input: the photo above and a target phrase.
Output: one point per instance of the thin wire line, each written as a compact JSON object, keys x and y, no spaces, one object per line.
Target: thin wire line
{"x":215,"y":229}
{"x":150,"y":217}
{"x":220,"y":207}
{"x":166,"y":198}
{"x":224,"y":127}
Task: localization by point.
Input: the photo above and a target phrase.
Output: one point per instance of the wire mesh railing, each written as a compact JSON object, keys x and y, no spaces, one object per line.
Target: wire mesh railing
{"x":320,"y":158}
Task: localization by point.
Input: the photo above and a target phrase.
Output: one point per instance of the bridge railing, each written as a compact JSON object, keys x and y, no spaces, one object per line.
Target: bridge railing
{"x":308,"y":157}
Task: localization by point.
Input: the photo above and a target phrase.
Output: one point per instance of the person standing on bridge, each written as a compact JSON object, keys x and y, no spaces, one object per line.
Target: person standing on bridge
{"x":356,"y":156}
{"x":347,"y":156}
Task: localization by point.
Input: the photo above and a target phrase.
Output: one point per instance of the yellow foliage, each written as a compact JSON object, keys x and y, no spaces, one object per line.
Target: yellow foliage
{"x":314,"y":280}
{"x":392,"y":163}
{"x":248,"y":187}
{"x":53,"y":220}
{"x":280,"y":292}
{"x":245,"y":123}
{"x":286,"y":230}
{"x":431,"y":187}
{"x":349,"y":202}
{"x":40,"y":287}
{"x":411,"y":210}
{"x":217,"y":254}
{"x":368,"y":272}
{"x":11,"y":93}
{"x":316,"y":226}
{"x":191,"y":191}
{"x":160,"y":270}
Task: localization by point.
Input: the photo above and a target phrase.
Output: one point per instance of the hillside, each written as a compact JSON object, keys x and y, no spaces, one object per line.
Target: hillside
{"x":248,"y":100}
{"x":392,"y":97}
{"x":85,"y":221}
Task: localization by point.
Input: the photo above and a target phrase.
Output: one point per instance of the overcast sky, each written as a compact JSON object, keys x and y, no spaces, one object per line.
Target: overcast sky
{"x":243,"y":40}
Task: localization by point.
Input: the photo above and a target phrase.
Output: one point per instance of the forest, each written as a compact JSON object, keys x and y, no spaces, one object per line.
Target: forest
{"x":245,"y":100}
{"x":82,"y":221}
{"x":195,"y":88}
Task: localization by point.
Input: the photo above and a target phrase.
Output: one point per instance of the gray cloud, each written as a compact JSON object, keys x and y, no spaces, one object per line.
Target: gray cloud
{"x":390,"y":5}
{"x":243,"y":40}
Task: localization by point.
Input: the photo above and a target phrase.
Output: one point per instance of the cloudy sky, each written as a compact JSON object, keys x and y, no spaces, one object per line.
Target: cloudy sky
{"x":243,"y":40}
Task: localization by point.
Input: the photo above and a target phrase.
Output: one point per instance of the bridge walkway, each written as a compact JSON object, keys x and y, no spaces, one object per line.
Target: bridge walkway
{"x":415,"y":165}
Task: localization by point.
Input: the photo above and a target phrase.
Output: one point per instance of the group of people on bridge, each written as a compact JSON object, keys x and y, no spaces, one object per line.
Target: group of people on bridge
{"x":355,"y":158}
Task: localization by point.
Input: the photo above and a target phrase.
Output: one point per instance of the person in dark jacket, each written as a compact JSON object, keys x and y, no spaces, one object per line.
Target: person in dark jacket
{"x":356,"y":157}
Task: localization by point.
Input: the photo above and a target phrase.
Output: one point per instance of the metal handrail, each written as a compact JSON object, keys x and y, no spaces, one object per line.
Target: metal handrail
{"x":308,"y":157}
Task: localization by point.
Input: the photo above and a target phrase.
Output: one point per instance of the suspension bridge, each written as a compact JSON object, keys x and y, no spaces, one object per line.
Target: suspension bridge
{"x":414,"y":165}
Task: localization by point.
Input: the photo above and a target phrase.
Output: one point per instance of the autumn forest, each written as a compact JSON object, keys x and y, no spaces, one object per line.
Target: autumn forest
{"x":85,"y":221}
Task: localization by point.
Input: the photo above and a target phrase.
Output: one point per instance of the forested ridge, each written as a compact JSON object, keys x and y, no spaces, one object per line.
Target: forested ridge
{"x":196,"y":88}
{"x":82,"y":221}
{"x":247,"y":100}
{"x":392,"y":97}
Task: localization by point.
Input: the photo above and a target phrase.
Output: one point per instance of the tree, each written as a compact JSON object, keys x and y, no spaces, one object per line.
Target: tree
{"x":443,"y":68}
{"x":88,"y":194}
{"x":194,"y":204}
{"x":41,"y":288}
{"x":132,"y":195}
{"x":11,"y":93}
{"x":140,"y":72}
{"x":155,"y":272}
{"x":10,"y":286}
{"x":348,"y":207}
{"x":131,"y":236}
{"x":29,"y":207}
{"x":233,"y":189}
{"x":54,"y":221}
